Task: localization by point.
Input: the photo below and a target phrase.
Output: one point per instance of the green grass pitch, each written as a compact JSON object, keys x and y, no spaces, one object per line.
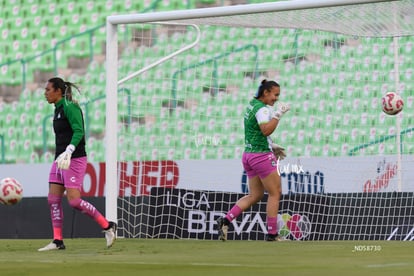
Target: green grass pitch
{"x":196,"y":257}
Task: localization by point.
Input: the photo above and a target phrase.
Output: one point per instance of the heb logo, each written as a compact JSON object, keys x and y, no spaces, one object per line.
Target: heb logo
{"x":386,"y":171}
{"x":135,"y":177}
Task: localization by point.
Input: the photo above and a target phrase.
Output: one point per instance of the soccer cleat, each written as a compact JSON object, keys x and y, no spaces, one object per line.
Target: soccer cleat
{"x":54,"y":245}
{"x":110,"y":234}
{"x":272,"y":238}
{"x":222,"y":228}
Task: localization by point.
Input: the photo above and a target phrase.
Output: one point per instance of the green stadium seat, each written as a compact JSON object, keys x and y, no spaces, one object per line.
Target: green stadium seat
{"x":159,"y":154}
{"x":36,"y":133}
{"x":33,"y":158}
{"x":10,"y":121}
{"x":95,"y":150}
{"x":26,"y":147}
{"x":47,"y":157}
{"x":326,"y":100}
{"x":189,"y":153}
{"x":11,"y":149}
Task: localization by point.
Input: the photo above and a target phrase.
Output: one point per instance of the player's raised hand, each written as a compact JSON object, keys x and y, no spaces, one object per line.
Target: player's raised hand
{"x":281,"y":110}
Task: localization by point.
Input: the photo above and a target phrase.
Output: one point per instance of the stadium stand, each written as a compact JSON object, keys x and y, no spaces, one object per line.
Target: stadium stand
{"x":44,"y":38}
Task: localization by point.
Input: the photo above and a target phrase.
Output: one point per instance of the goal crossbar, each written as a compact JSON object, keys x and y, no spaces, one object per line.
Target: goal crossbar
{"x":332,"y":15}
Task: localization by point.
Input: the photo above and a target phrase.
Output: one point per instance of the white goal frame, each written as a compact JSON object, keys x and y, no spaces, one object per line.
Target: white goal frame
{"x":191,"y":17}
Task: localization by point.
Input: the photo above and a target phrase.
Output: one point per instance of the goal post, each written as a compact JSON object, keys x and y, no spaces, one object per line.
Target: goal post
{"x":189,"y":75}
{"x":111,"y":102}
{"x":111,"y":176}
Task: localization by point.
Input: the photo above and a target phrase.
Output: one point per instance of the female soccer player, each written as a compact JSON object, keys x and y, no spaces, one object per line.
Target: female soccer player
{"x":68,"y":169}
{"x":259,"y":158}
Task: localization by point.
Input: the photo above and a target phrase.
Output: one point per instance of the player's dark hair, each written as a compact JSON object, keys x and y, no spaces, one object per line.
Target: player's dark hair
{"x":64,"y":86}
{"x":265,"y":85}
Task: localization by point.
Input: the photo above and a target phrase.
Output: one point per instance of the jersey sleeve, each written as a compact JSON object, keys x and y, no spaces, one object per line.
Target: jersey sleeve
{"x":263,"y":115}
{"x":74,"y":115}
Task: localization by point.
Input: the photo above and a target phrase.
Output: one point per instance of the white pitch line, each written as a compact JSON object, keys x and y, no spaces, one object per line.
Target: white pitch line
{"x":227,"y":265}
{"x":160,"y":263}
{"x":387,"y":265}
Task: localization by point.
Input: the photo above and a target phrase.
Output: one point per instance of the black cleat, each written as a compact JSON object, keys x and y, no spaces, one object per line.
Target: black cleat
{"x":272,"y":238}
{"x":223,"y":227}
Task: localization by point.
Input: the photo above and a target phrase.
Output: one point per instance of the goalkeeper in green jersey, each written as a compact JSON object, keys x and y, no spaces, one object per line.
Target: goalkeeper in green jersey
{"x":260,"y":158}
{"x":69,"y":168}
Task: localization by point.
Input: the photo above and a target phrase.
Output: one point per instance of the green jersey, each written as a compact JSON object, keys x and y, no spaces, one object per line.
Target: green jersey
{"x":69,"y":128}
{"x":256,"y":113}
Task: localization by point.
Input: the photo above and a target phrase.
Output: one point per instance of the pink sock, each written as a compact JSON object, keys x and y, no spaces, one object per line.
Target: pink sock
{"x":272,"y":225}
{"x":90,"y":210}
{"x":56,"y":215}
{"x":234,"y":213}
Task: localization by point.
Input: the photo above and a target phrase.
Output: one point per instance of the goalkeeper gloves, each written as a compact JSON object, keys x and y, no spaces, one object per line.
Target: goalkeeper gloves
{"x":63,"y":160}
{"x":278,"y":151}
{"x":281,"y":110}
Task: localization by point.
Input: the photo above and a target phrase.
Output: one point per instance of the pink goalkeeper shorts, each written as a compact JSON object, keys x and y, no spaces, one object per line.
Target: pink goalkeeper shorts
{"x":72,"y":177}
{"x":259,"y":164}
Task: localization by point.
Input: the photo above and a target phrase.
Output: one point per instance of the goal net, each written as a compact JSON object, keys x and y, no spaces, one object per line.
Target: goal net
{"x":177,"y":86}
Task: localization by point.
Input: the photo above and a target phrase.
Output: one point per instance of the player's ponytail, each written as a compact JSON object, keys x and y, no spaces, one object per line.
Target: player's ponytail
{"x":265,"y":85}
{"x":65,"y":87}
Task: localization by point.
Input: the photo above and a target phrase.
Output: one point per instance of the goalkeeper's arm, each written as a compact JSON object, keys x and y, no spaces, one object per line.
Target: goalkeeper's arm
{"x":275,"y":116}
